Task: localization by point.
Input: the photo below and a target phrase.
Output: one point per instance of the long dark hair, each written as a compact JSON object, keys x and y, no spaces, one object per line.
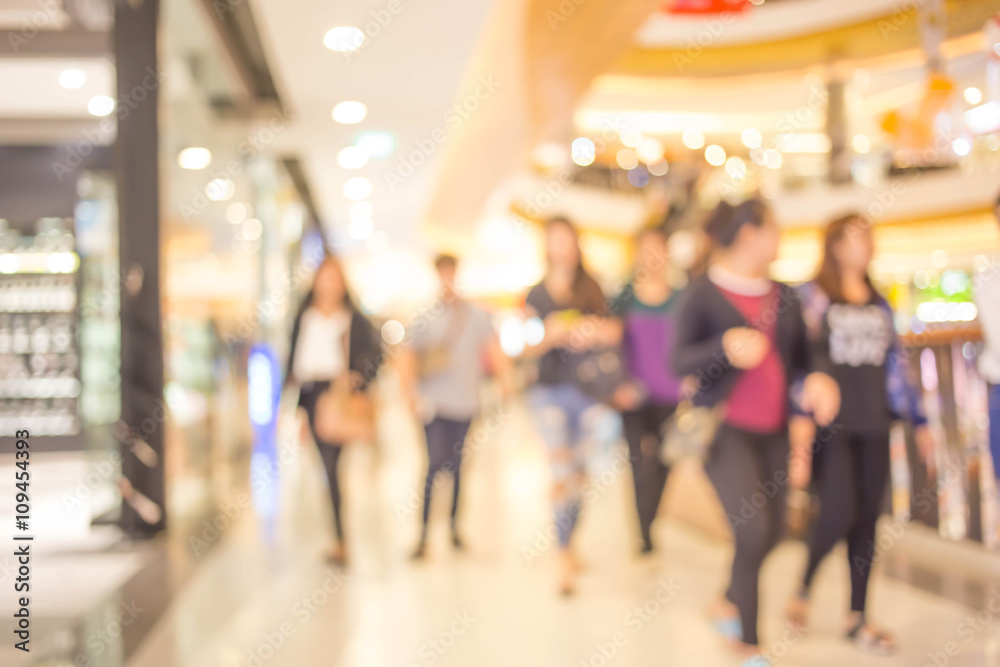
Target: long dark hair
{"x":829,"y":275}
{"x":587,"y":295}
{"x":329,"y":259}
{"x":725,"y":222}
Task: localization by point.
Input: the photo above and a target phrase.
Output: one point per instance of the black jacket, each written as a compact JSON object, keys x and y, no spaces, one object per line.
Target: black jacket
{"x":704,"y":314}
{"x":364,"y":346}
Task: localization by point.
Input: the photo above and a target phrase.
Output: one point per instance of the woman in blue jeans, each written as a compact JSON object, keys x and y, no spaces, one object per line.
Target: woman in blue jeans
{"x":571,"y":306}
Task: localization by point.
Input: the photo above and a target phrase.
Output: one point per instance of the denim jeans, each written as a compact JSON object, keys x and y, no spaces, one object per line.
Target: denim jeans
{"x":994,"y":408}
{"x":568,"y":421}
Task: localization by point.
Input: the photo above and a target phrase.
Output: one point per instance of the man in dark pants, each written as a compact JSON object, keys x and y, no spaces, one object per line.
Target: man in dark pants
{"x":442,"y":372}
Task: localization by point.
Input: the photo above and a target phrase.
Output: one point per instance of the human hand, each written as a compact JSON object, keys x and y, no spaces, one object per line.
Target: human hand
{"x":745,"y":348}
{"x":821,"y":397}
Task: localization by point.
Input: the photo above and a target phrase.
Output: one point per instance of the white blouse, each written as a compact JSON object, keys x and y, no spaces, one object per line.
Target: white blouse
{"x":319,"y":352}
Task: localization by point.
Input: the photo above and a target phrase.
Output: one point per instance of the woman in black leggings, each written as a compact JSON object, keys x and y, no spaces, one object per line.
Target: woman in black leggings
{"x":742,"y":338}
{"x":326,"y":326}
{"x":851,"y":327}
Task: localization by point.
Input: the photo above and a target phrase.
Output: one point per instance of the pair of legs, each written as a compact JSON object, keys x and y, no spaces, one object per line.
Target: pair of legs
{"x":563,"y":417}
{"x":850,"y":476}
{"x":329,"y":453}
{"x":445,"y":441}
{"x":750,"y":474}
{"x":644,"y":434}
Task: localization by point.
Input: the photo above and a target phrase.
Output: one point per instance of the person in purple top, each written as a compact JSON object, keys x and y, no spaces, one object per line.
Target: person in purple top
{"x":645,"y":307}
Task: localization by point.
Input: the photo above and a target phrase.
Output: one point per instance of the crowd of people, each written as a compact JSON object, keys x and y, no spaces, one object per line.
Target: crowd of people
{"x":772,"y":386}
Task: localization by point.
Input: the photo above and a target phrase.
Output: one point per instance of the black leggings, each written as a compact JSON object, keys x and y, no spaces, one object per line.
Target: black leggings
{"x":329,"y":452}
{"x":644,"y":433}
{"x":850,"y":474}
{"x":445,"y":442}
{"x":750,"y":474}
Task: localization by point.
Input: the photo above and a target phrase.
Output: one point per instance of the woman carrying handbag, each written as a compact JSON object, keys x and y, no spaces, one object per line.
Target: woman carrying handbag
{"x":335,"y":354}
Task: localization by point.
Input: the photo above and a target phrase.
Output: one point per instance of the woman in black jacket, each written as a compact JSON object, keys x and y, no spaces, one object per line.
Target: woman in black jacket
{"x":741,"y":338}
{"x":331,"y":337}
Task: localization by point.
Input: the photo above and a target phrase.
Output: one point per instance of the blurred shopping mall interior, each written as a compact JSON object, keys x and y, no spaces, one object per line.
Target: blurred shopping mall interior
{"x":172,"y":172}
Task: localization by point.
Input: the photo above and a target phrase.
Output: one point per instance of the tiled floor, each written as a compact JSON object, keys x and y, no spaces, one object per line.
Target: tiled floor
{"x":265,"y":597}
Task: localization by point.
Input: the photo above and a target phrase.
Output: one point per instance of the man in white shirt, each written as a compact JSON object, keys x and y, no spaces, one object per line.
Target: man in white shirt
{"x":988,"y":300}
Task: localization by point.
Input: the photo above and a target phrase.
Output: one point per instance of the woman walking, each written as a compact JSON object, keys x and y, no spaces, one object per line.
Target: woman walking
{"x":331,"y":340}
{"x":646,"y":307}
{"x":742,"y":338}
{"x":851,"y":327}
{"x":571,"y":306}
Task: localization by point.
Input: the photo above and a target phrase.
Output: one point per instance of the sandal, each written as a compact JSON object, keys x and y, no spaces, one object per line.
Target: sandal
{"x":871,"y":639}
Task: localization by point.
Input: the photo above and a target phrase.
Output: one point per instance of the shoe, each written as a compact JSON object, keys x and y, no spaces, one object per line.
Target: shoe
{"x":420,"y":553}
{"x":457,"y":542}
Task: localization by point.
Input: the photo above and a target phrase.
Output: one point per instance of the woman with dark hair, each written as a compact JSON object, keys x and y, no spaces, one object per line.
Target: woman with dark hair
{"x":646,"y":307}
{"x":851,"y":328}
{"x":742,"y":338}
{"x":571,"y":306}
{"x":330,"y":338}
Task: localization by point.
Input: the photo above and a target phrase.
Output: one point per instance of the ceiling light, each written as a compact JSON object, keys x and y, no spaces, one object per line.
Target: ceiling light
{"x":693,"y":138}
{"x":72,"y":78}
{"x":237,"y":212}
{"x":583,"y":151}
{"x":658,"y":168}
{"x":360,"y":210}
{"x":973,"y":95}
{"x":352,"y":157}
{"x":736,"y":168}
{"x":360,"y":229}
{"x":343,"y":39}
{"x":376,"y":144}
{"x":751,"y":138}
{"x":357,"y":188}
{"x":715,"y":154}
{"x":627,"y":159}
{"x":194,"y":158}
{"x":804,"y":142}
{"x":350,"y":112}
{"x":773,"y":159}
{"x":252,"y":229}
{"x":650,"y":150}
{"x":220,"y":189}
{"x":861,"y":143}
{"x":961,"y":146}
{"x":630,"y":137}
{"x":101,"y":105}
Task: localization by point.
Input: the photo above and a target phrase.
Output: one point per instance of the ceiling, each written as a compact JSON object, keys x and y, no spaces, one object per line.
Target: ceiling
{"x":407,"y":73}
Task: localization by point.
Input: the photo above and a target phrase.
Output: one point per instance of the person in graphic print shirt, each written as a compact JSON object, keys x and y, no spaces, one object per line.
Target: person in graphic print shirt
{"x":851,"y":328}
{"x":742,"y":337}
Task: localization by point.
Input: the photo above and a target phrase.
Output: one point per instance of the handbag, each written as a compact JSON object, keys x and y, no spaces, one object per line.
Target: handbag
{"x":344,"y":413}
{"x":690,"y":432}
{"x":599,"y":372}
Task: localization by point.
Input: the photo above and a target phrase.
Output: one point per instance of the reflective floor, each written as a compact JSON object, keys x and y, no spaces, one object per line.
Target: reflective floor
{"x":262,"y":594}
